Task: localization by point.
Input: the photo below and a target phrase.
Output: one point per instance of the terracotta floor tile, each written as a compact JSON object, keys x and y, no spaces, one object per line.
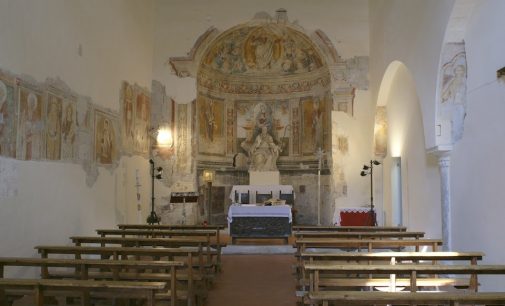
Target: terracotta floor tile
{"x":255,"y":280}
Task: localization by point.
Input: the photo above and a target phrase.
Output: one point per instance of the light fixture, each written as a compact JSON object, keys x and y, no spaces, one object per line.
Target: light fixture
{"x":164,"y":138}
{"x":208,"y":177}
{"x":368,"y":170}
{"x":156,"y":172}
{"x":500,"y":72}
{"x":163,"y":142}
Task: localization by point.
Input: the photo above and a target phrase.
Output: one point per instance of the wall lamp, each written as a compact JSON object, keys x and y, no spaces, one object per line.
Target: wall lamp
{"x":163,"y":142}
{"x":208,"y":177}
{"x":368,"y":170}
{"x":164,"y":138}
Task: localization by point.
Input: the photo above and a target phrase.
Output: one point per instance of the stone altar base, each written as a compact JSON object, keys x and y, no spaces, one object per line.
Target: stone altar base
{"x":264,"y":178}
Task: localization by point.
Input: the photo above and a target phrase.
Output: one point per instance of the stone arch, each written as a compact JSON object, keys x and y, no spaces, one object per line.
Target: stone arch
{"x":452,"y":76}
{"x":398,"y":95}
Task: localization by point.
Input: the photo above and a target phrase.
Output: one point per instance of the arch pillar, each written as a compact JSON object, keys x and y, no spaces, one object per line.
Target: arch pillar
{"x":443,"y":154}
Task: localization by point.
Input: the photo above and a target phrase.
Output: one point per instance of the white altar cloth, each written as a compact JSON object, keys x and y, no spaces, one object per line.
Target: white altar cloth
{"x":259,"y":211}
{"x":275,"y":189}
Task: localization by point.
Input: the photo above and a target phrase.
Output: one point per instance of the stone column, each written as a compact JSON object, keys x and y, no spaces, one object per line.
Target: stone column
{"x":444,"y":165}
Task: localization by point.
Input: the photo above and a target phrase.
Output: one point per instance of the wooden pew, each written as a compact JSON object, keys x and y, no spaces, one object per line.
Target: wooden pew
{"x":369,"y":244}
{"x":398,"y":257}
{"x":217,"y":228}
{"x":413,"y":271}
{"x":198,"y":242}
{"x":193,"y":279}
{"x":357,"y":235}
{"x":157,"y":233}
{"x":406,"y":298}
{"x":82,"y":288}
{"x":472,"y":257}
{"x":350,"y":228}
{"x":82,"y":269}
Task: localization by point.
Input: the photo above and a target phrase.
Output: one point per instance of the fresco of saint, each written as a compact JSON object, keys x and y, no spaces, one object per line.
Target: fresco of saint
{"x":53,"y":128}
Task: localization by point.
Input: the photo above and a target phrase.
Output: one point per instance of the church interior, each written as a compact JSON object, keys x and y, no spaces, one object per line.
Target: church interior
{"x":224,"y":134}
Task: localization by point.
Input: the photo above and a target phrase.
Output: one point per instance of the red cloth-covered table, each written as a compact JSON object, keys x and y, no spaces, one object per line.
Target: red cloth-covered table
{"x":356,"y":217}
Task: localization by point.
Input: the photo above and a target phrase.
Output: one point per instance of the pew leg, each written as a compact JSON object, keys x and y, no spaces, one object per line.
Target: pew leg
{"x":85,"y":299}
{"x":150,"y":298}
{"x":39,"y":296}
{"x":3,"y":298}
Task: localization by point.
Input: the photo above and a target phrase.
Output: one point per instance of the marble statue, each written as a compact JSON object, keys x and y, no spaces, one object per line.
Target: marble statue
{"x":264,"y":152}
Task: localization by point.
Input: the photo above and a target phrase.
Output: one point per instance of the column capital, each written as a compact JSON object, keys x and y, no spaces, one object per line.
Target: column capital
{"x":440,"y":150}
{"x":444,"y":161}
{"x":443,"y":152}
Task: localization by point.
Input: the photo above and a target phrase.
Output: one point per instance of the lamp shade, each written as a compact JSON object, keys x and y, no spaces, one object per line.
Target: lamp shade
{"x":164,"y":137}
{"x":208,"y":175}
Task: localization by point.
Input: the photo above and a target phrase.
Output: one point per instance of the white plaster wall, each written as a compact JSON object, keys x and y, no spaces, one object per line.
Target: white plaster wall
{"x":420,"y":177}
{"x":411,"y":31}
{"x":41,"y":39}
{"x":478,"y":187}
{"x":359,"y":130}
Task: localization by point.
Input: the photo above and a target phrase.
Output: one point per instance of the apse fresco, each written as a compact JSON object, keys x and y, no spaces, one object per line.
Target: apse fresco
{"x":263,"y":48}
{"x":211,"y":126}
{"x":8,"y":119}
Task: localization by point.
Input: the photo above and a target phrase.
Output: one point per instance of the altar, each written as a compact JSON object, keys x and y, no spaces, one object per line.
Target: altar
{"x":248,"y":194}
{"x":259,"y":221}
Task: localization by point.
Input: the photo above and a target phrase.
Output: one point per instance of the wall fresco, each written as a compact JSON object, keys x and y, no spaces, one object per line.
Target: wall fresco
{"x":295,"y":134}
{"x":211,"y":126}
{"x":30,"y":124}
{"x":142,"y":118}
{"x":452,"y":87}
{"x":135,"y":119}
{"x":128,"y":117}
{"x":8,"y":118}
{"x":53,"y":126}
{"x":69,"y":131}
{"x":313,"y":123}
{"x":381,"y":132}
{"x":182,"y":138}
{"x":106,"y":144}
{"x":230,"y":129}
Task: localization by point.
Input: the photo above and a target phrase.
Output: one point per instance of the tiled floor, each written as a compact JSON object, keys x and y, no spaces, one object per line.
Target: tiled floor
{"x":255,"y":280}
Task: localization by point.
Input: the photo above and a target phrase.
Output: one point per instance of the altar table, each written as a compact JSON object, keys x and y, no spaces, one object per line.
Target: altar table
{"x":261,"y":189}
{"x":251,"y":221}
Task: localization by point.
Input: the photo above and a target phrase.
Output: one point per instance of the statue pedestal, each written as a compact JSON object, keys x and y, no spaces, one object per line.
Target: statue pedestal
{"x":264,"y":178}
